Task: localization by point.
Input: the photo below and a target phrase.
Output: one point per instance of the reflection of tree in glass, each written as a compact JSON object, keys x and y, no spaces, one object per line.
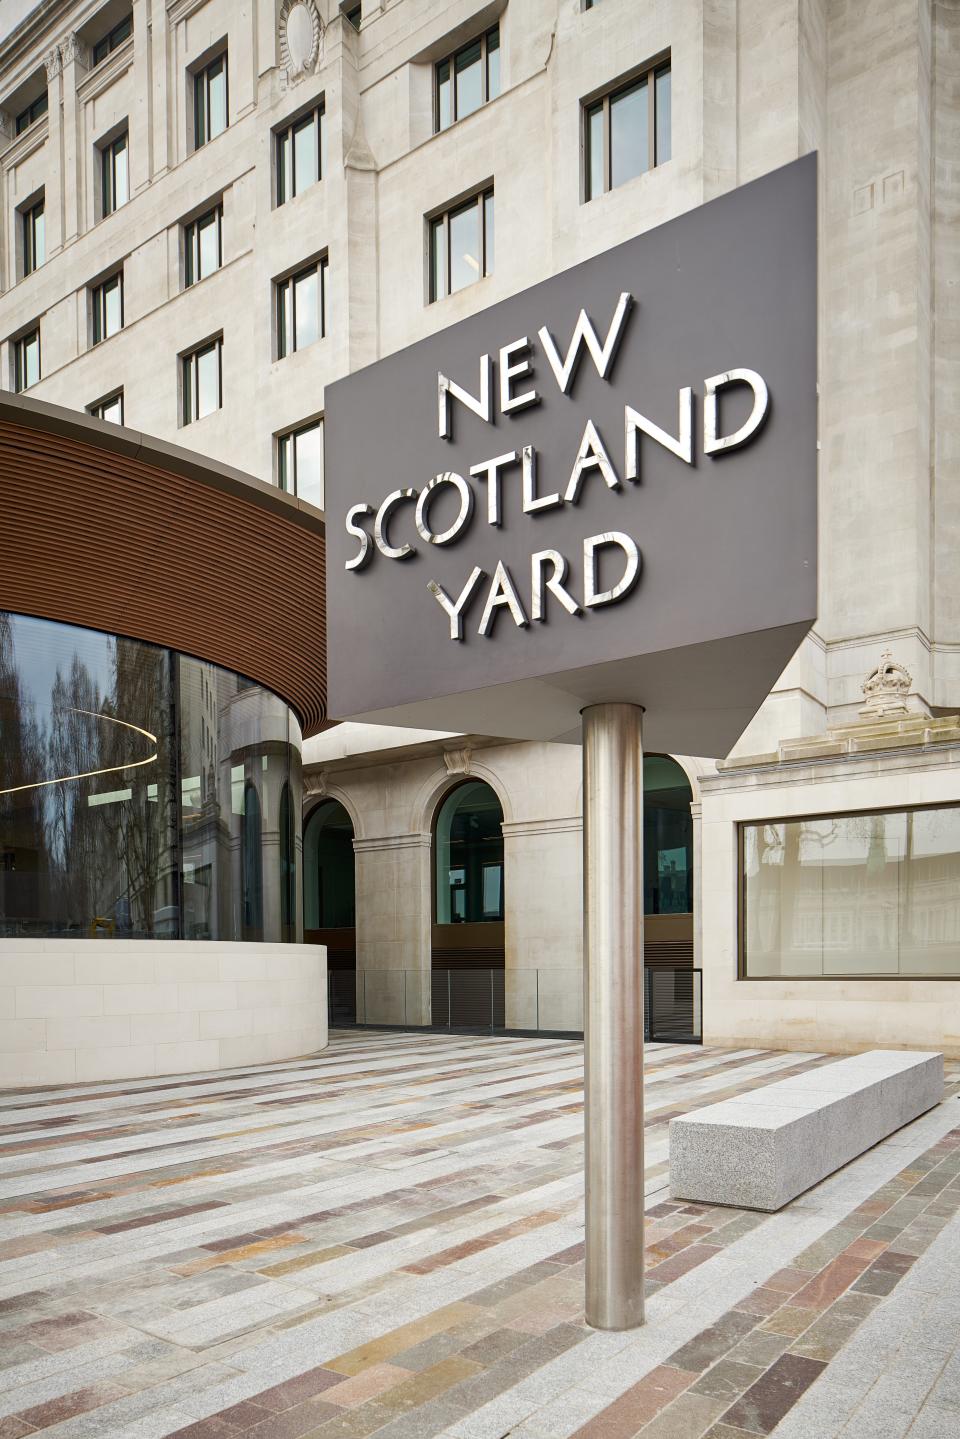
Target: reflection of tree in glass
{"x":23,"y":841}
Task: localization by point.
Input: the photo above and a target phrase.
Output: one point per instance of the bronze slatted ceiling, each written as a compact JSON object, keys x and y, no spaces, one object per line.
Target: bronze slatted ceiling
{"x":105,"y":528}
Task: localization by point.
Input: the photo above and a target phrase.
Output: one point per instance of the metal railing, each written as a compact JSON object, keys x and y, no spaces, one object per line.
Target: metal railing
{"x":504,"y":1001}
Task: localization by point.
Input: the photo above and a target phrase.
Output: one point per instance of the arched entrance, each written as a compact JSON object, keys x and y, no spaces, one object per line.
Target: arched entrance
{"x":672,"y":999}
{"x":329,"y":902}
{"x":467,"y":935}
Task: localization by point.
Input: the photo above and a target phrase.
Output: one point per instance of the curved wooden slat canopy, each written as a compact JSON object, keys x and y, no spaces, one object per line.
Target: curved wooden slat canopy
{"x":104,"y":527}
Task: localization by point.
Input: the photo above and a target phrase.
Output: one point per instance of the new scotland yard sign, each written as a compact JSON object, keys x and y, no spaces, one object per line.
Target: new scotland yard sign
{"x":603,"y":488}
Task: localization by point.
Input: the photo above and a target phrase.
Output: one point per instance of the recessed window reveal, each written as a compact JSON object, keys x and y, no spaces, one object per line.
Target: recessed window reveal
{"x":502,"y":381}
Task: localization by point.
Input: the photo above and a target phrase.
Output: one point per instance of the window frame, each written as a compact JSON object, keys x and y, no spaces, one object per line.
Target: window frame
{"x":19,"y":350}
{"x":286,"y":133}
{"x":109,"y":151}
{"x":480,"y":198}
{"x":111,"y":40}
{"x":450,"y":61}
{"x":98,"y":307}
{"x":856,"y":978}
{"x":31,"y":113}
{"x":28,"y":236}
{"x":191,"y":244}
{"x":602,"y":103}
{"x":286,"y":285}
{"x":189,"y":380}
{"x":201,"y":92}
{"x":290,"y":436}
{"x":96,"y":409}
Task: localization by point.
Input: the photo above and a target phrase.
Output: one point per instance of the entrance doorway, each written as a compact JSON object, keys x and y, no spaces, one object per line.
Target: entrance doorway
{"x":672,"y":995}
{"x":467,"y":934}
{"x":329,"y":902}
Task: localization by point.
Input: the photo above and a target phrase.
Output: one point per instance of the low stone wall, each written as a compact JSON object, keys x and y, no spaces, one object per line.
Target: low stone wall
{"x":76,"y":1010}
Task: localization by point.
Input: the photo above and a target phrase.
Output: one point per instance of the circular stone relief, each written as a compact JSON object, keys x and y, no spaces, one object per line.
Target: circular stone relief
{"x":300,"y":35}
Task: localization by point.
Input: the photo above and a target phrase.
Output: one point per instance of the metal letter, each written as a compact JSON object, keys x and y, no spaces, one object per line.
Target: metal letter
{"x":449,"y":477}
{"x":509,"y":372}
{"x":554,"y":584}
{"x":531,"y":500}
{"x":480,"y":406}
{"x":591,"y":455}
{"x":613,"y":1012}
{"x":502,"y":592}
{"x":714,"y":444}
{"x":592,"y":597}
{"x":455,"y":608}
{"x":491,"y":470}
{"x":603,"y":358}
{"x":682,"y":446}
{"x":365,"y":553}
{"x":396,"y":497}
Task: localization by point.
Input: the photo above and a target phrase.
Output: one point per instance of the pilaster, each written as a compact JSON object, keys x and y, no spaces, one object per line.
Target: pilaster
{"x":54,"y":186}
{"x":74,"y":58}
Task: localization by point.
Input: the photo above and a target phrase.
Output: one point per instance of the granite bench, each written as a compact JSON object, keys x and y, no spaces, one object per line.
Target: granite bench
{"x":761,"y":1149}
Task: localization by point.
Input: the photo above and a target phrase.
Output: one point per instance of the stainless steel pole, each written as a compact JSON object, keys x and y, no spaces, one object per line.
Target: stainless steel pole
{"x":613,"y":1012}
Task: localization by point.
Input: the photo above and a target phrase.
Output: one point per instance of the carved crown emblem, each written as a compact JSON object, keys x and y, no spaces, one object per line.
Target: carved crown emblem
{"x":886,"y":688}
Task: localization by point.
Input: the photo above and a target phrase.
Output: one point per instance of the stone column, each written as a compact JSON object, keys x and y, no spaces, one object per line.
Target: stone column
{"x":74,"y":68}
{"x":393,"y":928}
{"x":54,"y":191}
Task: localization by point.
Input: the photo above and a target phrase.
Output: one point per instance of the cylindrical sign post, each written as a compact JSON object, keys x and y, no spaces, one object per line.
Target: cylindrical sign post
{"x":613,"y":1012}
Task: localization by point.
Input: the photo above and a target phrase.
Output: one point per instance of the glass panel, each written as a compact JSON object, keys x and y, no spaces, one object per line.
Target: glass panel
{"x":664,"y":131}
{"x":309,"y":447}
{"x":465,"y":258}
{"x":284,"y":166}
{"x":284,"y":467}
{"x":468,"y":844}
{"x":929,"y":890}
{"x":120,"y":190}
{"x":444,"y":96}
{"x":305,"y":169}
{"x":629,"y":141}
{"x":101,"y":50}
{"x":488,"y":240}
{"x":39,"y":237}
{"x":329,"y":886}
{"x":438,"y":259}
{"x":493,"y":63}
{"x":217,"y":98}
{"x":208,"y":381}
{"x":860,"y":856}
{"x":306,"y":308}
{"x":112,"y":410}
{"x":783,"y":929}
{"x":31,"y":359}
{"x":594,"y":151}
{"x":251,"y":864}
{"x":284,"y":324}
{"x":667,"y":837}
{"x":469,"y":79}
{"x":186,"y":380}
{"x":208,"y":236}
{"x":113,"y":306}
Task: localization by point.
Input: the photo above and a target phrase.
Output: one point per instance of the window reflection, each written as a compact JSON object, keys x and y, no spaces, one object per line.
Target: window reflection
{"x":469,"y":856}
{"x":97,"y":734}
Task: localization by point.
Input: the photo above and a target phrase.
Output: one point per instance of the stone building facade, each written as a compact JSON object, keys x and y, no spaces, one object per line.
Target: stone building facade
{"x":189,"y":111}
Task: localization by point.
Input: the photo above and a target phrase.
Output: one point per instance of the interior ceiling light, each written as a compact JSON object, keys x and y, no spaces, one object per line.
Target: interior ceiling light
{"x":89,"y":773}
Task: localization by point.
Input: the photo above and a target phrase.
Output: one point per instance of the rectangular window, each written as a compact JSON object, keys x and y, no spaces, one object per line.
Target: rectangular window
{"x":353,"y":12}
{"x":467,"y":79}
{"x":869,"y":895}
{"x":114,"y":181}
{"x":31,"y":113}
{"x":110,"y":41}
{"x":203,"y":246}
{"x":34,"y":240}
{"x":26,"y":360}
{"x":627,"y":132}
{"x":300,"y":463}
{"x":110,"y":409}
{"x":210,"y":101}
{"x":202,"y":380}
{"x":106,"y":303}
{"x":300,"y":309}
{"x":299,"y":155}
{"x":461,"y":246}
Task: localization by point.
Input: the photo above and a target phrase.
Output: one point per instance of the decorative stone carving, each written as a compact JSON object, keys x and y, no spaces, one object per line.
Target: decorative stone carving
{"x":457,"y":761}
{"x":886,"y":688}
{"x":6,"y":126}
{"x":301,"y":39}
{"x":73,"y":50}
{"x":314,"y":783}
{"x":53,"y":63}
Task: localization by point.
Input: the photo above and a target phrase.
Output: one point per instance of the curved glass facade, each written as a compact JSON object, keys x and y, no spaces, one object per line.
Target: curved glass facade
{"x":143,"y":794}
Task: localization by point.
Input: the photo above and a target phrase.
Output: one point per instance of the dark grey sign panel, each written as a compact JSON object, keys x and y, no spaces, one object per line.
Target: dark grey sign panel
{"x":648,"y":531}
